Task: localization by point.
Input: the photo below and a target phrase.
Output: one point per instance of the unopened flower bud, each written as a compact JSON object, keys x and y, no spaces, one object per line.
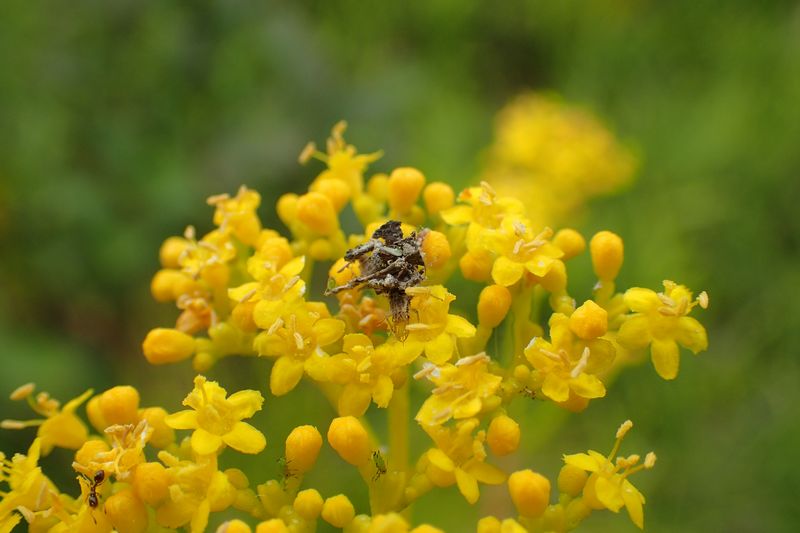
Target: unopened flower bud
{"x":126,"y":512}
{"x":571,"y":480}
{"x":530,"y":492}
{"x":167,"y":345}
{"x":476,"y":266}
{"x":589,"y":321}
{"x":171,"y":250}
{"x":435,"y":249}
{"x":493,"y":305}
{"x":570,"y":241}
{"x":348,"y":437}
{"x":338,"y":511}
{"x":488,"y":524}
{"x":151,"y":482}
{"x":405,"y":185}
{"x":162,"y":435}
{"x":337,"y":191}
{"x":503,"y":436}
{"x":308,"y":504}
{"x":89,"y":450}
{"x":120,"y":405}
{"x":438,"y":196}
{"x":287,"y":208}
{"x":302,"y":448}
{"x":274,"y":525}
{"x":607,"y":254}
{"x":316,"y":211}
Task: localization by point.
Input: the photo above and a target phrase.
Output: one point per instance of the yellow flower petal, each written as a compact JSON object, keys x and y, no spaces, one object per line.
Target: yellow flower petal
{"x":587,"y":386}
{"x":293,"y":267}
{"x":665,"y":358}
{"x":486,"y":473}
{"x":354,"y":400}
{"x":440,"y":349}
{"x":328,"y":330}
{"x":467,"y":485}
{"x":468,"y":409}
{"x":635,"y":332}
{"x":182,"y":419}
{"x":583,"y":461}
{"x":641,"y":300}
{"x":440,"y":460}
{"x":455,"y":216}
{"x":205,"y":443}
{"x":691,"y":334}
{"x":266,"y":312}
{"x":506,"y":272}
{"x":459,"y":326}
{"x":633,"y":503}
{"x":237,"y":294}
{"x":245,"y":403}
{"x":555,"y":388}
{"x":285,"y":375}
{"x":609,"y":494}
{"x":382,"y":392}
{"x":200,"y":517}
{"x":540,"y":265}
{"x":245,"y":438}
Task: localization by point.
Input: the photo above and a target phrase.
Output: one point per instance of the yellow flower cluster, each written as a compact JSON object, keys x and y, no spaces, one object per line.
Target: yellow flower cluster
{"x":555,"y":155}
{"x":244,"y":290}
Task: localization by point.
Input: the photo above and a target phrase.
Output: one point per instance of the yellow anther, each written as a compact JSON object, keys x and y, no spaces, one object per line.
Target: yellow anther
{"x":702,"y":300}
{"x":650,"y":460}
{"x":405,"y":186}
{"x":624,"y":428}
{"x":530,"y":492}
{"x":307,"y":153}
{"x":607,"y":254}
{"x":503,"y":435}
{"x":167,"y":345}
{"x":338,"y":511}
{"x":493,"y":305}
{"x":22,"y":392}
{"x":302,"y":448}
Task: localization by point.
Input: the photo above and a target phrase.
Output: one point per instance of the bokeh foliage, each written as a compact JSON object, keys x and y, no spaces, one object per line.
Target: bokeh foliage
{"x":119,"y":118}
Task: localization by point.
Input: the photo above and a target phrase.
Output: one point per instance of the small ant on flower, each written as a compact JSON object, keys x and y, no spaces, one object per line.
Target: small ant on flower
{"x":93,"y":482}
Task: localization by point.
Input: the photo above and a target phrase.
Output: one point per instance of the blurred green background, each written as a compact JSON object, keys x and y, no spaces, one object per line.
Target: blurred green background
{"x":119,"y":118}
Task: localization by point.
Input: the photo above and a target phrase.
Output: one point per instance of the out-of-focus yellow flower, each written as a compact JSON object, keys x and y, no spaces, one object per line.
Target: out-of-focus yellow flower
{"x":60,"y":427}
{"x":29,"y":489}
{"x":608,"y":486}
{"x":554,"y":156}
{"x":125,"y":455}
{"x":462,"y":390}
{"x":217,"y":419}
{"x":660,"y":320}
{"x":458,"y":458}
{"x":238,"y":214}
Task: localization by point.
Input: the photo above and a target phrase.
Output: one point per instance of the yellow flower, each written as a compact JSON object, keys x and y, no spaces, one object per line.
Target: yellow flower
{"x":217,"y":419}
{"x":432,"y":329}
{"x":238,"y":214}
{"x":660,"y":320}
{"x":608,"y":486}
{"x":30,"y":489}
{"x":366,"y":372}
{"x":567,"y":366}
{"x":459,"y":458}
{"x":484,"y":208}
{"x":462,"y":390}
{"x":297,"y":340}
{"x":61,"y":427}
{"x":519,"y":250}
{"x":125,"y":455}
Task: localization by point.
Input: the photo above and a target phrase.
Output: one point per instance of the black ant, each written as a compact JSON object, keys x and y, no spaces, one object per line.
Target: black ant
{"x":93,"y":499}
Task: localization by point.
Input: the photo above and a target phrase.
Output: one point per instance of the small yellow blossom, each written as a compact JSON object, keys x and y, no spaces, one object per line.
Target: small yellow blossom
{"x":661,"y":320}
{"x":608,"y":486}
{"x":238,"y":214}
{"x":433,"y":330}
{"x":217,"y":419}
{"x":462,"y":390}
{"x":568,"y":366}
{"x":458,"y":458}
{"x":530,"y":492}
{"x":60,"y":427}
